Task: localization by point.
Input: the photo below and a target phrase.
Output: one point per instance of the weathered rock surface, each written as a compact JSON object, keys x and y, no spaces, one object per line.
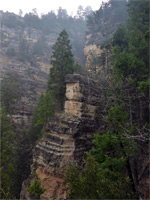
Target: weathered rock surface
{"x":32,"y":82}
{"x":83,"y":96}
{"x":32,"y":73}
{"x":34,"y":69}
{"x":67,"y":136}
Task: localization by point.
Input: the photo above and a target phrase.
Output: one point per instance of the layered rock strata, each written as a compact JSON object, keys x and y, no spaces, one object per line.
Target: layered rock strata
{"x":83,"y":96}
{"x":67,"y":137}
{"x":25,"y":50}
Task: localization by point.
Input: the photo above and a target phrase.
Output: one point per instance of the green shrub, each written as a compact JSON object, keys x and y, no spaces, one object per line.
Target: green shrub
{"x":36,"y":189}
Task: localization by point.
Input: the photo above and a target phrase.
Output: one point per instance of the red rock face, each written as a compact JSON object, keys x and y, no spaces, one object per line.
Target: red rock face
{"x":55,"y":186}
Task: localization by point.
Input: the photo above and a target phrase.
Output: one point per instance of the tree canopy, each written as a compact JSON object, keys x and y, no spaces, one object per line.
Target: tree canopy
{"x":8,"y":157}
{"x":111,"y":168}
{"x":102,"y":176}
{"x":63,"y":63}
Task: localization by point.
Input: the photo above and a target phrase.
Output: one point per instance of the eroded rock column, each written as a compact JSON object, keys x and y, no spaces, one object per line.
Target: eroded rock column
{"x":67,"y":136}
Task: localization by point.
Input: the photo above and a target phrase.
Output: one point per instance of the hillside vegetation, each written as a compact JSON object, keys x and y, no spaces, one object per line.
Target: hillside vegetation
{"x":113,"y":168}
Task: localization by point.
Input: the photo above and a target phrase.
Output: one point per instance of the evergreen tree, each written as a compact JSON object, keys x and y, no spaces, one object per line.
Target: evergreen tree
{"x":43,"y":111}
{"x":8,"y":157}
{"x":35,"y":189}
{"x":111,"y":170}
{"x":63,"y":63}
{"x":103,"y":177}
{"x":131,"y":63}
{"x":131,"y":55}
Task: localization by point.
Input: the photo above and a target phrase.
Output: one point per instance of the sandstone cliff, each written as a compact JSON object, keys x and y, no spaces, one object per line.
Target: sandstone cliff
{"x":67,"y":136}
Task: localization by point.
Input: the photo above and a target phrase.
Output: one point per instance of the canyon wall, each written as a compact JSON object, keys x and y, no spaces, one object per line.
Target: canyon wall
{"x":66,"y":138}
{"x":32,"y":73}
{"x":25,"y":52}
{"x":68,"y":135}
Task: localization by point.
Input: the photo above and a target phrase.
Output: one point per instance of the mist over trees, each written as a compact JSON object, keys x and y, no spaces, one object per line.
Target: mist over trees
{"x":48,"y":24}
{"x":110,"y":168}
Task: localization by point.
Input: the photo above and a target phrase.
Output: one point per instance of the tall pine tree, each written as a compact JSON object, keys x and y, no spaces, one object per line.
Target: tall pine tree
{"x":63,"y":63}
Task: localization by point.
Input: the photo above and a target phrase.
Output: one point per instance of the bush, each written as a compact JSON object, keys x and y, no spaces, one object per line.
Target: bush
{"x":36,"y":189}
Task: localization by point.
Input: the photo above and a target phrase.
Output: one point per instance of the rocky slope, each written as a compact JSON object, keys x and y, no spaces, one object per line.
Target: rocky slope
{"x":32,"y":82}
{"x":67,"y":136}
{"x":25,"y":51}
{"x":100,"y":29}
{"x":32,"y":76}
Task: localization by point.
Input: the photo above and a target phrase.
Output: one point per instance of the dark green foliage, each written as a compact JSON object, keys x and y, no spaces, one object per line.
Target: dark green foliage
{"x":78,"y":69}
{"x":94,"y":182}
{"x":63,"y":64}
{"x":8,"y":157}
{"x":109,"y":171}
{"x":15,"y":158}
{"x":44,"y":110}
{"x":131,"y":53}
{"x":36,"y":189}
{"x":131,"y":63}
{"x":82,"y":184}
{"x":120,"y":37}
{"x":144,"y":87}
{"x":24,"y":161}
{"x":103,"y":175}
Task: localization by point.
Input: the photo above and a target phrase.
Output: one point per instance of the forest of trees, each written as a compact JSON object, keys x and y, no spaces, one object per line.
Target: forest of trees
{"x":126,"y":118}
{"x":63,"y":64}
{"x":14,"y":147}
{"x":48,"y":24}
{"x":108,"y":168}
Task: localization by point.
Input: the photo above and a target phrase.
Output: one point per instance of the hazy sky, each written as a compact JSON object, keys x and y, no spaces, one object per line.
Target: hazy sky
{"x":43,"y":6}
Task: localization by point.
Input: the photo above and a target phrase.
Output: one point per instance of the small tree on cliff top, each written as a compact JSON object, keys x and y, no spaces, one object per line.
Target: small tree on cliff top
{"x":63,"y":63}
